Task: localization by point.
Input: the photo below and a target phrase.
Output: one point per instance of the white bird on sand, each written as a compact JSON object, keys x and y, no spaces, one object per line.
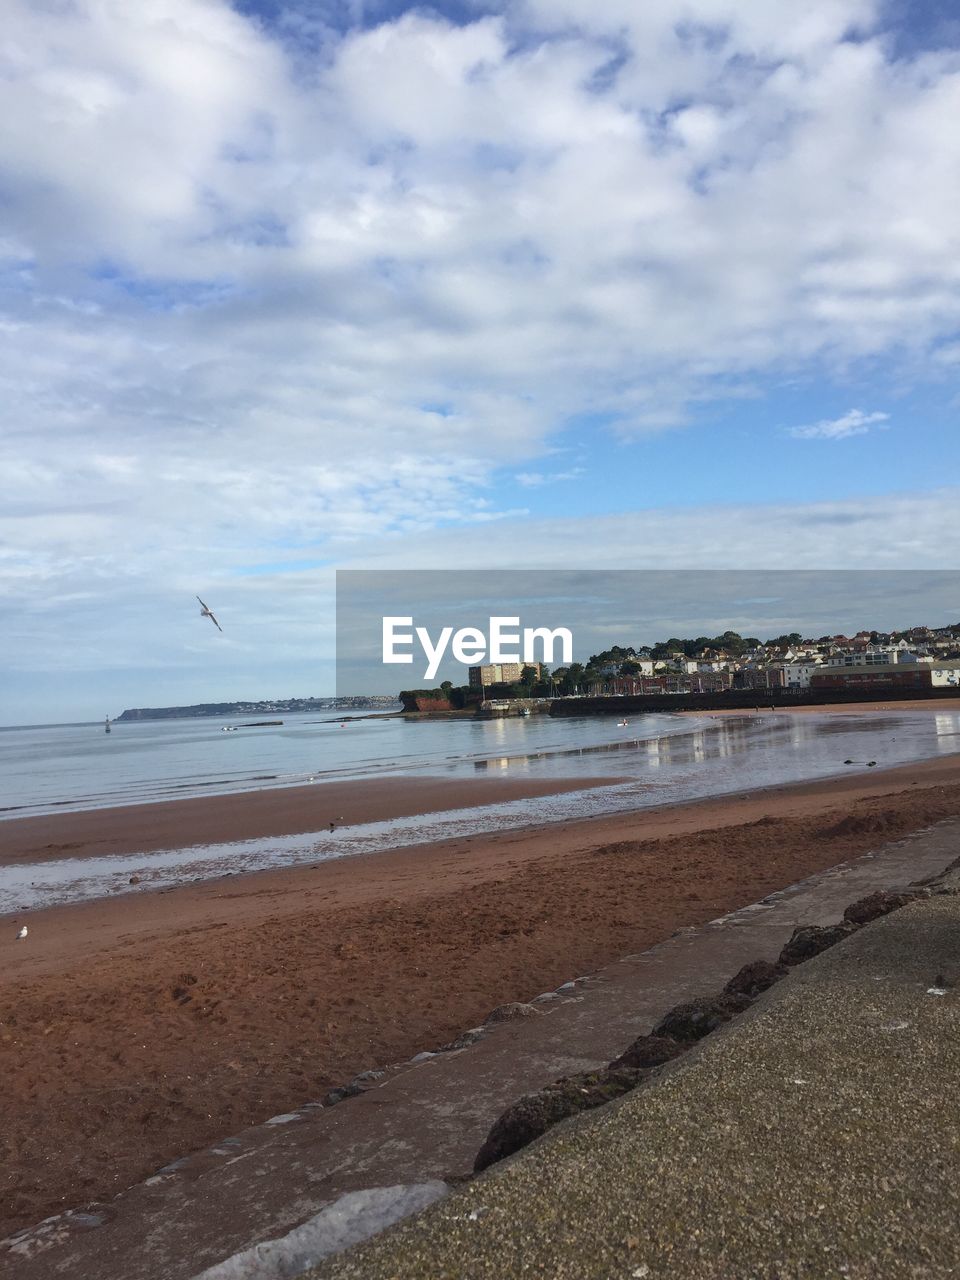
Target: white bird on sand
{"x":23,"y":932}
{"x":206,"y":612}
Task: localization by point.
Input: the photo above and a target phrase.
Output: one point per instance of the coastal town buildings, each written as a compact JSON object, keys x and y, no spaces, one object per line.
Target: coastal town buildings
{"x":791,"y":675}
{"x":919,"y":658}
{"x":878,"y":655}
{"x":499,"y":673}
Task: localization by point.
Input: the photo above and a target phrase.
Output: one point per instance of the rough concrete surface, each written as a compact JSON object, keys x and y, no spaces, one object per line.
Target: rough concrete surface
{"x":816,"y":1136}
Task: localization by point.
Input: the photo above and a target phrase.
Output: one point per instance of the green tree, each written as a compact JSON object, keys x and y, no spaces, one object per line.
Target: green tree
{"x":786,"y":641}
{"x":543,"y":686}
{"x":574,"y":677}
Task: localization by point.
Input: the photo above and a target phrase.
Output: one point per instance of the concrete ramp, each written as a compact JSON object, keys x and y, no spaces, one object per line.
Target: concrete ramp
{"x":817,"y":1136}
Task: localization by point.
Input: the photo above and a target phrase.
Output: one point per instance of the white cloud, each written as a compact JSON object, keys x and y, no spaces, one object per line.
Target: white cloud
{"x":853,"y":423}
{"x":537,"y":479}
{"x":132,"y":607}
{"x":895,"y":531}
{"x":262,"y":302}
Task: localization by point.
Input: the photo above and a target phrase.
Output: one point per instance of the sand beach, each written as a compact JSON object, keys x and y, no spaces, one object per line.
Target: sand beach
{"x":138,"y":1028}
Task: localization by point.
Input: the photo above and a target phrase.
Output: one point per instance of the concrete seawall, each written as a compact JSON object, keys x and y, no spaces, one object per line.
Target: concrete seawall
{"x":738,"y":699}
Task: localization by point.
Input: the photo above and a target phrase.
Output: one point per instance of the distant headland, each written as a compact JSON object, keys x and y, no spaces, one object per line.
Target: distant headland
{"x":200,"y":710}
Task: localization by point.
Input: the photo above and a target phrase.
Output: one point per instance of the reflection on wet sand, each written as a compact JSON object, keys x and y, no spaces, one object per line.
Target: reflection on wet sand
{"x":723,"y":738}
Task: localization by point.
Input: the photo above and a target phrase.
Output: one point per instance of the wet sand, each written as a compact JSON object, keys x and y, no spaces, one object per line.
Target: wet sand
{"x":947,"y":703}
{"x":135,"y":1030}
{"x":275,"y":811}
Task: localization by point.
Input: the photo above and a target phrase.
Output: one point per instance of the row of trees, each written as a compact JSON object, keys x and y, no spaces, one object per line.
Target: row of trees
{"x":563,"y":681}
{"x":730,"y":642}
{"x":735,"y":644}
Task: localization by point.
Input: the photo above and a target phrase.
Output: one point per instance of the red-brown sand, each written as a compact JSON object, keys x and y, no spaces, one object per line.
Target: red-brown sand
{"x":138,"y":1029}
{"x":274,"y":811}
{"x":946,"y":703}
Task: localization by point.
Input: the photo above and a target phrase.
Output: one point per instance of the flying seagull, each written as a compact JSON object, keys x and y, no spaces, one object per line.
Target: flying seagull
{"x":206,"y":612}
{"x":22,"y":933}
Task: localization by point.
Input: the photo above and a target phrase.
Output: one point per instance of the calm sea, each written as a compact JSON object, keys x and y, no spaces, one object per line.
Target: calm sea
{"x":51,"y":768}
{"x":652,"y":760}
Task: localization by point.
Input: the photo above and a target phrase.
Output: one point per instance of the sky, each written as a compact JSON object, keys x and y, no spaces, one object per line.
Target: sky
{"x":286,"y":288}
{"x":418,"y":616}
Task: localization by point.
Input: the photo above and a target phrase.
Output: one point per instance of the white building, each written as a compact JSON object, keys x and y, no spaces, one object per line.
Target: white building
{"x":791,"y":675}
{"x":646,"y":666}
{"x":874,"y":655}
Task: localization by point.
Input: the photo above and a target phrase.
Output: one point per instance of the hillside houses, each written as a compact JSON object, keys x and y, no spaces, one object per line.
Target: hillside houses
{"x":917,"y":657}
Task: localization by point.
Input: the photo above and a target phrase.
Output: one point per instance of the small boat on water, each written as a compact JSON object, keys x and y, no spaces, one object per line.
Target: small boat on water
{"x":622,"y":724}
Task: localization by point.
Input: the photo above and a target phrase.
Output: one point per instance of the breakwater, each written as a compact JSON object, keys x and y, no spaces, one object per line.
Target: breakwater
{"x":739,"y":699}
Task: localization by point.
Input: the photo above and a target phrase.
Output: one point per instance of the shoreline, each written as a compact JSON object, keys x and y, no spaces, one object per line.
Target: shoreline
{"x":135,"y":1030}
{"x":299,"y":809}
{"x":947,"y":703}
{"x":425,"y":866}
{"x":271,"y":811}
{"x":439,"y":865}
{"x":302,"y":809}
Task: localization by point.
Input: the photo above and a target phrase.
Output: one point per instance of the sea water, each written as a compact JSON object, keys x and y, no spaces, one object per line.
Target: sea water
{"x":652,"y":760}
